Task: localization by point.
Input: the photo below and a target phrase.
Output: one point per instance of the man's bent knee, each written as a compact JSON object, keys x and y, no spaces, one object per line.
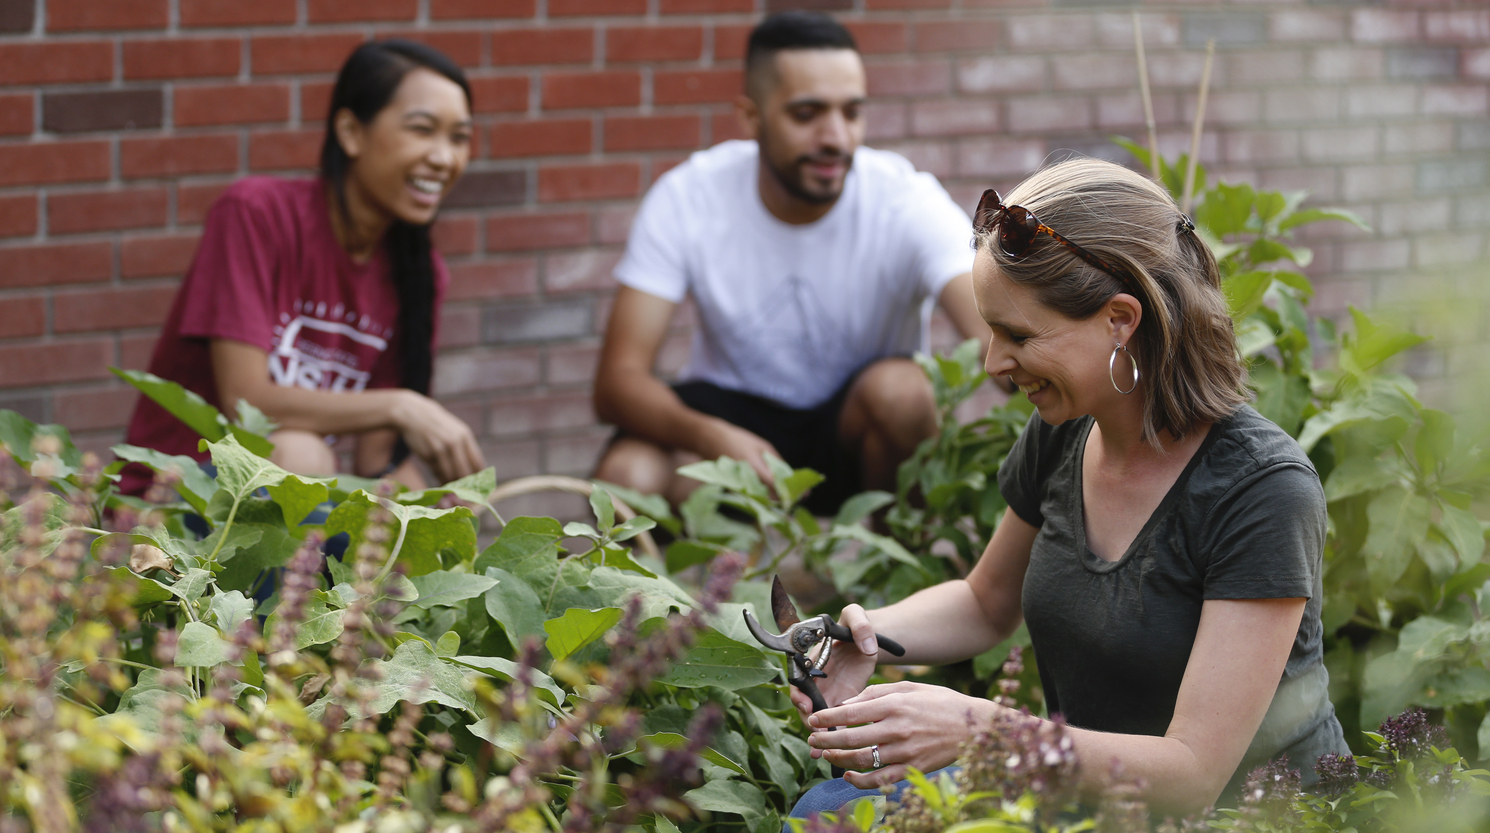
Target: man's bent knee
{"x":302,"y":452}
{"x":635,"y":464}
{"x":894,"y":392}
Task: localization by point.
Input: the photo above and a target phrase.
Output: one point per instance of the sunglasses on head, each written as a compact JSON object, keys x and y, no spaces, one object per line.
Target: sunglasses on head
{"x":1016,"y":227}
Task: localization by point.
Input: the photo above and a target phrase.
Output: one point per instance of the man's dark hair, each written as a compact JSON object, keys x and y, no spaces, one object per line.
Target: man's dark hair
{"x":788,"y":30}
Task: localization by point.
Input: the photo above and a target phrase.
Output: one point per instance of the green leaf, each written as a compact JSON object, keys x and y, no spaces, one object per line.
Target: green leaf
{"x":240,"y":471}
{"x":192,"y":584}
{"x":604,"y":509}
{"x":1375,"y":343}
{"x":419,"y":533}
{"x":718,"y":661}
{"x":684,"y":554}
{"x":721,"y":796}
{"x":1281,"y":397}
{"x":416,"y":675}
{"x":513,"y":605}
{"x":322,"y":623}
{"x":193,"y":410}
{"x":1358,"y":474}
{"x":632,"y":528}
{"x":528,"y":547}
{"x":443,"y":587}
{"x":254,"y":420}
{"x":729,"y":473}
{"x":297,"y":497}
{"x":1435,"y":440}
{"x":1226,"y":209}
{"x":1244,"y":292}
{"x":506,"y":669}
{"x":194,"y":485}
{"x":226,"y":541}
{"x":273,"y":548}
{"x":1464,"y":531}
{"x":230,"y":610}
{"x":620,"y":557}
{"x":1314,"y":215}
{"x":578,"y":628}
{"x":1399,"y":518}
{"x":473,"y":488}
{"x":1264,"y":251}
{"x":201,"y":645}
{"x":145,"y":591}
{"x":19,"y":435}
{"x":448,"y":645}
{"x":885,"y":544}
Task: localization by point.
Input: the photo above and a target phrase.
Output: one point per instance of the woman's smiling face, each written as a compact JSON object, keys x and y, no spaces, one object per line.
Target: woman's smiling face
{"x":1060,"y":363}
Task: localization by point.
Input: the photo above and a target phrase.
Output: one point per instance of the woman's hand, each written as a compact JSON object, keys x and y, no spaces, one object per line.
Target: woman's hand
{"x":439,"y":437}
{"x":848,"y":667}
{"x":913,"y":724}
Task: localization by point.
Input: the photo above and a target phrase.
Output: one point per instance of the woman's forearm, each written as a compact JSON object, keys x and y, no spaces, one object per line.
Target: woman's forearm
{"x":941,"y":624}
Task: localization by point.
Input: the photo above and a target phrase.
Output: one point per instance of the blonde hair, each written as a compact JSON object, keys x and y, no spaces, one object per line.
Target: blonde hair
{"x":1185,"y":346}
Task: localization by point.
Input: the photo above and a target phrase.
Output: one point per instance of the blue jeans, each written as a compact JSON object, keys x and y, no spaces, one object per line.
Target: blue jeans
{"x":832,"y":796}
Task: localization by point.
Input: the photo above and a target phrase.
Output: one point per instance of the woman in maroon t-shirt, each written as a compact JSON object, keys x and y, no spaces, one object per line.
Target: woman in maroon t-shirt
{"x":317,"y":300}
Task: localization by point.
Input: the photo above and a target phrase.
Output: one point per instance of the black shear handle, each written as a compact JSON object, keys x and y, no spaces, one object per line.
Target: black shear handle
{"x":808,"y":686}
{"x":843,"y":634}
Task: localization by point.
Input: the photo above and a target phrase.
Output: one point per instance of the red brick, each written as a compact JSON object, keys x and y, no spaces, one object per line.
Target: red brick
{"x":999,"y":157}
{"x":74,"y":213}
{"x":580,"y":271}
{"x":94,"y":111}
{"x":503,"y":94}
{"x":92,"y":410}
{"x":1475,"y":63}
{"x":176,"y":155}
{"x":1001,"y":73}
{"x":193,"y":199}
{"x":181,"y":57}
{"x":697,"y":86}
{"x":572,"y":364}
{"x":357,"y":11}
{"x":543,"y":137}
{"x":663,"y":164}
{"x":1095,"y":72}
{"x":486,"y":370}
{"x":653,"y":132}
{"x":876,"y":5}
{"x":111,"y":309}
{"x":654,"y":43}
{"x":279,"y":54}
{"x":315,"y":100}
{"x":476,"y":9}
{"x":25,"y":316}
{"x":730,"y":41}
{"x":958,"y":35}
{"x":74,"y":15}
{"x":17,"y":114}
{"x":18,"y":215}
{"x":909,"y":78}
{"x":225,"y":13}
{"x":459,"y":326}
{"x":706,"y":6}
{"x":231,"y":104}
{"x":1052,"y":31}
{"x":723,"y":126}
{"x":56,"y":264}
{"x":23,"y":365}
{"x":1382,"y":26}
{"x":513,"y":232}
{"x":456,"y":235}
{"x":544,"y":45}
{"x":493,"y":279}
{"x":609,"y":88}
{"x":559,"y":183}
{"x":1308,"y":25}
{"x":878,"y":37}
{"x":1472,"y":100}
{"x":157,"y":255}
{"x":281,"y":150}
{"x":24,"y":64}
{"x":595,"y":8}
{"x":954,"y":117}
{"x":462,"y":47}
{"x":135,"y":351}
{"x":49,"y":162}
{"x":543,"y":412}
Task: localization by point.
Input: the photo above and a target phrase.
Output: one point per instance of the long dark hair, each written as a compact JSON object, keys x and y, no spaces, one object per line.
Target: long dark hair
{"x":364,"y":87}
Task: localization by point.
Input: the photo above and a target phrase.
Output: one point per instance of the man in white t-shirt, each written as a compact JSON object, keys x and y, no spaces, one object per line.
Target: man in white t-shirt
{"x":813,"y":264}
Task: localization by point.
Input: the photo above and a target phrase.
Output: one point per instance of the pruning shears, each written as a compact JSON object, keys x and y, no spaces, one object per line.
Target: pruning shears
{"x":797,"y":638}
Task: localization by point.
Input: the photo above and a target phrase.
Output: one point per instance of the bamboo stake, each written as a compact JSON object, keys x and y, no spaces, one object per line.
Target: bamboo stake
{"x":1205,"y":85}
{"x":1148,"y":101}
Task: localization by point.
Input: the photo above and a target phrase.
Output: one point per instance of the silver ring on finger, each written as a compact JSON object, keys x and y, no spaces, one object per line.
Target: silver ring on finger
{"x":875,"y":750}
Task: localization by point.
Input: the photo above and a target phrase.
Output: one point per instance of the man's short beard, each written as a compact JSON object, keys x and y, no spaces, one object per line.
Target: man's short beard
{"x":794,"y":186}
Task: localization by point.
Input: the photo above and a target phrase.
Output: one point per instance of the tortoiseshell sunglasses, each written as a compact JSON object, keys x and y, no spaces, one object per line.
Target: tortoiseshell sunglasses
{"x":1017,"y":227}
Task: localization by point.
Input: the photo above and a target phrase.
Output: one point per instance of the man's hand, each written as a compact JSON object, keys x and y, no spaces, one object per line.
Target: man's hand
{"x":439,"y":437}
{"x":728,"y":440}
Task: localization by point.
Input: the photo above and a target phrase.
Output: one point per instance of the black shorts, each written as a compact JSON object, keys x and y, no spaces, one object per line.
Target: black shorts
{"x":805,"y":438}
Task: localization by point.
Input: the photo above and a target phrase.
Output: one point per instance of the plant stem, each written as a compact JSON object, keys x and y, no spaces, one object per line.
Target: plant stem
{"x":403,"y":529}
{"x":223,"y":532}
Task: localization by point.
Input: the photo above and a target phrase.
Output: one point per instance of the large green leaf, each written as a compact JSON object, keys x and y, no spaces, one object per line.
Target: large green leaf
{"x":1399,"y":519}
{"x":19,"y":435}
{"x":142,"y":708}
{"x":1375,"y":342}
{"x":416,"y":675}
{"x":272,"y":547}
{"x":443,"y":587}
{"x":729,"y":796}
{"x":321,"y":623}
{"x":578,"y":628}
{"x":1314,"y":215}
{"x":716,"y":660}
{"x":506,"y":669}
{"x":240,"y":471}
{"x":196,"y":412}
{"x":297,"y":497}
{"x":473,"y":488}
{"x":514,"y":606}
{"x":419,"y":533}
{"x":1281,"y":397}
{"x":1358,"y":474}
{"x":527,"y":547}
{"x":230,"y":610}
{"x":1245,"y":291}
{"x":195,"y":485}
{"x":1464,"y":531}
{"x":201,"y":645}
{"x":732,"y":474}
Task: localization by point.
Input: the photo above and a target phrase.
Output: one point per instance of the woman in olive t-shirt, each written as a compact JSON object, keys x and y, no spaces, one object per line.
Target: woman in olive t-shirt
{"x":1163,"y":541}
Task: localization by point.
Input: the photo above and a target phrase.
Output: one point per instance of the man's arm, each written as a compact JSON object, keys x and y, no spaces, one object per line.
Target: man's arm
{"x":957,"y":299}
{"x":630,"y":397}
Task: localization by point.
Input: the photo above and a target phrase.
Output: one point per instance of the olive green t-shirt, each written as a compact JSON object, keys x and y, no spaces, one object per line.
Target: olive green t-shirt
{"x":1245,"y":520}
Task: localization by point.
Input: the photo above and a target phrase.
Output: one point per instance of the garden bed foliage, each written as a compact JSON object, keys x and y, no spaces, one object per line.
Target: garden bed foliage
{"x":557,"y":679}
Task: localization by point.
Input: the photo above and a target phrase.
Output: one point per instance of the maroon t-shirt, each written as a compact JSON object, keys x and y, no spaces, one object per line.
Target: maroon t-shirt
{"x":269,"y":272}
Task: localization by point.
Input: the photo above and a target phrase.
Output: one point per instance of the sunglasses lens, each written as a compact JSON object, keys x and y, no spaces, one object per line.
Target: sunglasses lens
{"x":1017,"y":231}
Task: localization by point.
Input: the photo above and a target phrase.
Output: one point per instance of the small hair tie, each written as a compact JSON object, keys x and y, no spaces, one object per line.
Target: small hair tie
{"x":1185,"y":225}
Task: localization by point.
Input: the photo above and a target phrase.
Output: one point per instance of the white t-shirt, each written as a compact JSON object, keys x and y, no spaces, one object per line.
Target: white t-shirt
{"x":790,"y":312}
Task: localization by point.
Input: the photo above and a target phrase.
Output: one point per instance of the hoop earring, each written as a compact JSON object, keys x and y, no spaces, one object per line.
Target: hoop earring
{"x":1112,"y":360}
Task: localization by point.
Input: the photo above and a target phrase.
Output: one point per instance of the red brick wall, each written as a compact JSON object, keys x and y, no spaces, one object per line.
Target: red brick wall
{"x":120,"y":120}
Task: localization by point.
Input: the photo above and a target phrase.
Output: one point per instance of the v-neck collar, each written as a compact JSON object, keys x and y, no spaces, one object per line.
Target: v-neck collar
{"x":1096,"y":563}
